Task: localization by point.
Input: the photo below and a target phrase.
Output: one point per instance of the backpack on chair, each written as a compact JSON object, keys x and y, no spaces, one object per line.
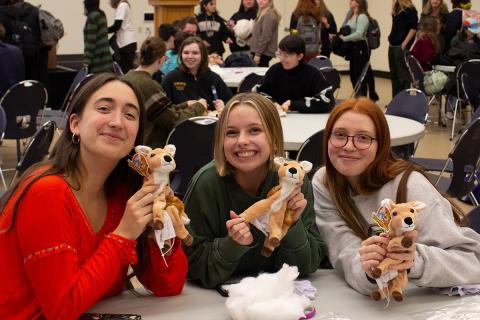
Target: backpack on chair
{"x":309,"y":31}
{"x":51,"y":28}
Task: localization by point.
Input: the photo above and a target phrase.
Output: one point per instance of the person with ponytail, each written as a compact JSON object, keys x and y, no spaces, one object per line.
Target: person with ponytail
{"x":360,"y":171}
{"x":71,"y":226}
{"x":162,"y":113}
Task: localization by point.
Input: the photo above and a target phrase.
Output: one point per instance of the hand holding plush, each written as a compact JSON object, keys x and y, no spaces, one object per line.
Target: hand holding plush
{"x":274,"y":207}
{"x":155,"y":165}
{"x":402,"y":221}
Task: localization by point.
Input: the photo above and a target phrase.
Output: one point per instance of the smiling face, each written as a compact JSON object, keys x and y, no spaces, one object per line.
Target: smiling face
{"x":289,"y":60}
{"x":349,"y":160}
{"x":109,"y":123}
{"x":191,"y":57}
{"x":435,"y":3}
{"x":246,"y":144}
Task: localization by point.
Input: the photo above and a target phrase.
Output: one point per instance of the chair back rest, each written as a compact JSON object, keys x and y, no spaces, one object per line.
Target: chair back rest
{"x":312,"y":150}
{"x":466,"y":160}
{"x":117,"y":69}
{"x":3,"y":122}
{"x":332,"y":76}
{"x":411,"y":104}
{"x":474,"y":219}
{"x":416,"y":72}
{"x":251,"y":80}
{"x":22,"y":103}
{"x":38,"y":146}
{"x":239,"y":59}
{"x":472,"y":69}
{"x":359,"y":83}
{"x":81,"y":74}
{"x":320,"y":62}
{"x":193,"y":139}
{"x":471,"y":91}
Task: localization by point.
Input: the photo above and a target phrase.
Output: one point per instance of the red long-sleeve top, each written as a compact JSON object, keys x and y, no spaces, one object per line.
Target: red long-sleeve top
{"x":424,"y":50}
{"x":54,"y":265}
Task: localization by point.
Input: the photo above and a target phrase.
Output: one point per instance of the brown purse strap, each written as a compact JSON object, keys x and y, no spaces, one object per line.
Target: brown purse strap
{"x":402,"y":186}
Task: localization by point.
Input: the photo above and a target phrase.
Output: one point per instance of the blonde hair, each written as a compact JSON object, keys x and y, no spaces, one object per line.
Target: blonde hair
{"x":270,"y":120}
{"x":262,"y":11}
{"x":401,"y":5}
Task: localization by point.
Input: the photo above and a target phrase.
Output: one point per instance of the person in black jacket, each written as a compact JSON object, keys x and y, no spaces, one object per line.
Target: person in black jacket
{"x":455,"y":20}
{"x":247,"y":11}
{"x":296,"y":84}
{"x":193,"y":79}
{"x":212,"y":27}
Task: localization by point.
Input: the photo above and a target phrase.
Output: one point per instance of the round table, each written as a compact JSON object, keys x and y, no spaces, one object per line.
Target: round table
{"x":298,"y":127}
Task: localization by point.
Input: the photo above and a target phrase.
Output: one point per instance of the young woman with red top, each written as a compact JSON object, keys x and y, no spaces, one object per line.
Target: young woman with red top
{"x":68,"y":227}
{"x":427,"y":44}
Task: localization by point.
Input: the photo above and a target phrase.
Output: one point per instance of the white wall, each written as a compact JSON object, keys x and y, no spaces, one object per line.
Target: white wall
{"x":71,"y":14}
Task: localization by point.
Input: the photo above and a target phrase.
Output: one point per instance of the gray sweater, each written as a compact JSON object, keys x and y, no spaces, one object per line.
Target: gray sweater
{"x":446,"y":254}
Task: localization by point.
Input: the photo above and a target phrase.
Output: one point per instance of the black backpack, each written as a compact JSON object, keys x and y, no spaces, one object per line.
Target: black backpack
{"x":22,"y":34}
{"x":373,"y":34}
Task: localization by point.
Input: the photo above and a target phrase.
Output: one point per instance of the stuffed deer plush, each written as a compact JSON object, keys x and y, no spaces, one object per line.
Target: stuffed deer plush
{"x":400,"y":218}
{"x":274,"y":207}
{"x":155,"y":165}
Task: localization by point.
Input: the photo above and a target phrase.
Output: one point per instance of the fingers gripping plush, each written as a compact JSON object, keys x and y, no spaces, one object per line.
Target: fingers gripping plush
{"x":280,"y":217}
{"x":156,"y":171}
{"x":403,"y":219}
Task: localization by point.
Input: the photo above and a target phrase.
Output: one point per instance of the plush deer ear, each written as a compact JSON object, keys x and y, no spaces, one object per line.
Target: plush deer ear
{"x":387,"y":203}
{"x":306,"y":165}
{"x":143,"y":149}
{"x":417,"y":205}
{"x":171,"y":149}
{"x":279,"y":161}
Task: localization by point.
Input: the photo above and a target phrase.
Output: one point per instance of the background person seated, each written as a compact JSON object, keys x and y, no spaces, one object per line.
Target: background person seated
{"x":193,"y":79}
{"x":296,"y":84}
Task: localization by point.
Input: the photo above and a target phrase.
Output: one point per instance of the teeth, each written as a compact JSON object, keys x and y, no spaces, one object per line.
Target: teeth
{"x":246,"y":153}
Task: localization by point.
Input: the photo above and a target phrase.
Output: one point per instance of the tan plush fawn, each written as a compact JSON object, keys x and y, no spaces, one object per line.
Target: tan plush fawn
{"x":280,"y":218}
{"x":403,"y":217}
{"x":155,"y":165}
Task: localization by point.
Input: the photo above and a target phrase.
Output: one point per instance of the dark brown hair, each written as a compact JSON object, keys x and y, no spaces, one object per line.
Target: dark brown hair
{"x":203,"y":67}
{"x":64,"y":157}
{"x":152,"y":49}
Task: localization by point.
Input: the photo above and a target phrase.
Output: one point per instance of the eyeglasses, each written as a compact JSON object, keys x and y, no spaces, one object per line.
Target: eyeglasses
{"x":360,"y":141}
{"x":284,"y":54}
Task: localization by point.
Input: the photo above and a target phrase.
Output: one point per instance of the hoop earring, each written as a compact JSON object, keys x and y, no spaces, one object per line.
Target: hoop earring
{"x":75,"y":138}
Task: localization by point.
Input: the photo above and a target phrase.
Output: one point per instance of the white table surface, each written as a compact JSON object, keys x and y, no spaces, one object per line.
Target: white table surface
{"x":298,"y":127}
{"x":233,"y":76}
{"x":333,"y":295}
{"x":447,"y":69}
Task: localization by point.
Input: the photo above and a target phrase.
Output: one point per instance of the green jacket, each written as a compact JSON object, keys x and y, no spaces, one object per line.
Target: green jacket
{"x":214,"y":256}
{"x":162,"y":114}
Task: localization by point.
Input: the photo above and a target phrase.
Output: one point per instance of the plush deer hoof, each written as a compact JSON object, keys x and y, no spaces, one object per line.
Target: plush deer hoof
{"x":407,"y":242}
{"x":266,"y":252}
{"x":188,"y":240}
{"x":274,"y":242}
{"x":397,"y":296}
{"x":376,"y":295}
{"x":158,"y":225}
{"x":377,"y":273}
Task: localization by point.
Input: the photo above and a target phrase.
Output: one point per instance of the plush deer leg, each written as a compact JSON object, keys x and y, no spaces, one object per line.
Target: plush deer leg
{"x":159,"y":204}
{"x":180,"y":230}
{"x":398,"y":284}
{"x":383,"y":267}
{"x":275,"y":225}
